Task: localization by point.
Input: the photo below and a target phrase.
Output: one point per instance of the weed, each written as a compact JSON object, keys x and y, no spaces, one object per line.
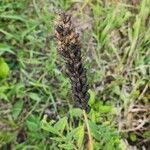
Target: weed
{"x":35,"y":109}
{"x":69,"y":48}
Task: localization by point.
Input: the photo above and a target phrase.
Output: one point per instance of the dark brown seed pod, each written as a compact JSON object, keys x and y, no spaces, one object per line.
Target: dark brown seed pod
{"x":69,"y":47}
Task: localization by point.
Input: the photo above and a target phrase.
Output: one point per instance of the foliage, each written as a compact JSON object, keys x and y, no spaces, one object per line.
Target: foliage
{"x":35,"y":103}
{"x":4,"y":68}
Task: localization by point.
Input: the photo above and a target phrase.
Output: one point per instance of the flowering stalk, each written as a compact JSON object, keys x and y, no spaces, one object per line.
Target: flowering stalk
{"x":69,"y":47}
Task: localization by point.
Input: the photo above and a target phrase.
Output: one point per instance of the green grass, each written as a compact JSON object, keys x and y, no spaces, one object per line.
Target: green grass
{"x":36,"y":110}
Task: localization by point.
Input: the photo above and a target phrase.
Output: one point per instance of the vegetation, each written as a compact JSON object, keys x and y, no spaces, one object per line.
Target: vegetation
{"x":36,"y":108}
{"x":69,"y":47}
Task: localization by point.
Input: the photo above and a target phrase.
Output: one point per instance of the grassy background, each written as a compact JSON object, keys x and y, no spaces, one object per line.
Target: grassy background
{"x":36,"y":111}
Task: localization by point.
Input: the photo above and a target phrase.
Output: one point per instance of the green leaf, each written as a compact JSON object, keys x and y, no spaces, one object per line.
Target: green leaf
{"x":76,"y":112}
{"x":92,"y":97}
{"x":7,"y":34}
{"x":80,"y":136}
{"x":147,"y":134}
{"x":34,"y":96}
{"x":33,"y":123}
{"x":116,"y":90}
{"x":15,"y":17}
{"x":3,"y":92}
{"x":105,"y":108}
{"x":6,"y":137}
{"x":48,"y":127}
{"x":4,"y":68}
{"x":133,"y":137}
{"x":72,"y":133}
{"x":68,"y":146}
{"x":17,"y":108}
{"x":61,"y":124}
{"x":32,"y":126}
{"x":94,"y":130}
{"x":5,"y":48}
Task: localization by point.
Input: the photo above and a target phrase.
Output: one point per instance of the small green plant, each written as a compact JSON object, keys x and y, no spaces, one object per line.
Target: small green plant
{"x":67,"y":136}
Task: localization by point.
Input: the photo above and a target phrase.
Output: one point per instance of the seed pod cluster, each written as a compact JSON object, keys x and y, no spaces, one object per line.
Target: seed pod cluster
{"x":69,"y":47}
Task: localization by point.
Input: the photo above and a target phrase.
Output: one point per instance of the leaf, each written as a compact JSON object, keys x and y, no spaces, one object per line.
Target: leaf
{"x":32,"y":126}
{"x":94,"y":130}
{"x":6,"y":137}
{"x":17,"y":108}
{"x":80,"y":136}
{"x":147,"y":134}
{"x":61,"y":124}
{"x":48,"y":127}
{"x":15,"y":17}
{"x":7,"y":34}
{"x":92,"y":97}
{"x":33,"y":123}
{"x":72,"y":133}
{"x":68,"y":146}
{"x":76,"y":112}
{"x":4,"y":68}
{"x":3,"y":92}
{"x":105,"y":108}
{"x":34,"y":96}
{"x":133,"y":137}
{"x":116,"y":90}
{"x":5,"y":48}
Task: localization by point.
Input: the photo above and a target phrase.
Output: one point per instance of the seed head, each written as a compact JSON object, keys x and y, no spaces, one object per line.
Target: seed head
{"x":69,"y":47}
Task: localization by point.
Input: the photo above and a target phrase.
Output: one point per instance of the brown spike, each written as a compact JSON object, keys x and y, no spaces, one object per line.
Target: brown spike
{"x":69,"y":47}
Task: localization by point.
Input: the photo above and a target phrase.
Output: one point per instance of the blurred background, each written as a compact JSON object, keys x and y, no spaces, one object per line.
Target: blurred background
{"x":36,"y":108}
